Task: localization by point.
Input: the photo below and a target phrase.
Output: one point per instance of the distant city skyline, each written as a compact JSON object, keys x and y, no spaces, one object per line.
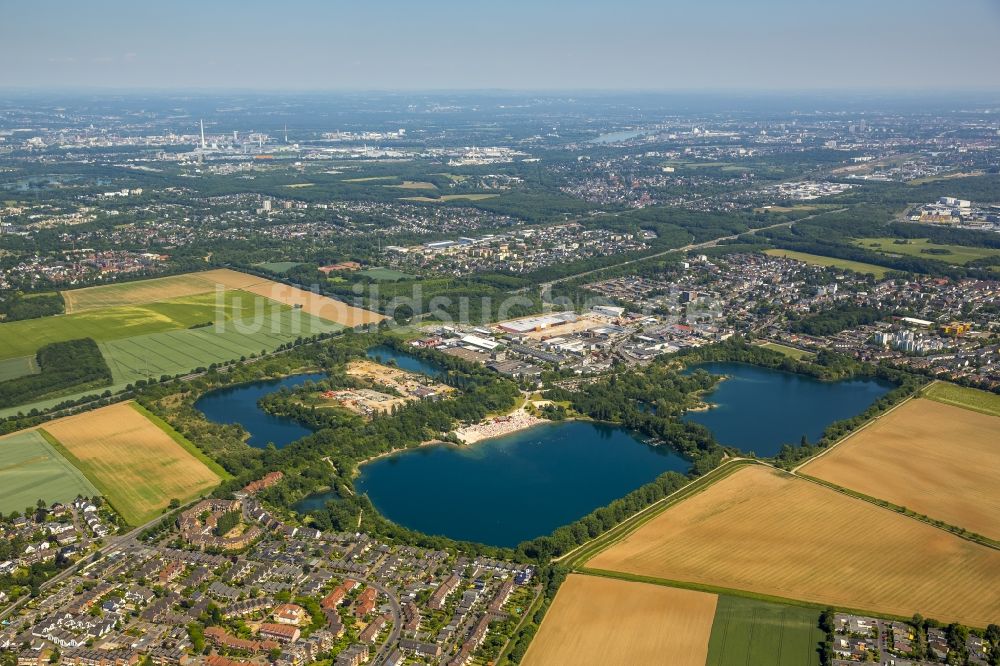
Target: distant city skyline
{"x":779,"y":45}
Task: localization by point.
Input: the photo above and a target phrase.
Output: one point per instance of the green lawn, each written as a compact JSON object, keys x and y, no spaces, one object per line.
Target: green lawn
{"x":385,"y":274}
{"x":23,"y":338}
{"x":278,"y":266}
{"x":818,"y":260}
{"x":20,"y":366}
{"x":915,"y":247}
{"x":747,"y":631}
{"x":30,"y":469}
{"x":791,"y":352}
{"x":961,"y":396}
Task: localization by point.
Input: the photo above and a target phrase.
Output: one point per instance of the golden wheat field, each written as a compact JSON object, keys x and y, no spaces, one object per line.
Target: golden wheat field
{"x":310,"y":303}
{"x":939,"y":460}
{"x":606,"y":622}
{"x":135,"y":464}
{"x":138,"y":292}
{"x":766,"y":532}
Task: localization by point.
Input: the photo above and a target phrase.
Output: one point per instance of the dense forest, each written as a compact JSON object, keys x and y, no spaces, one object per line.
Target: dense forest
{"x":836,"y":319}
{"x":76,"y":365}
{"x":19,"y":306}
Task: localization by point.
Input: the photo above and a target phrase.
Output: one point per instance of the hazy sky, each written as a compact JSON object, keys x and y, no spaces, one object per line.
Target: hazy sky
{"x":512,"y":44}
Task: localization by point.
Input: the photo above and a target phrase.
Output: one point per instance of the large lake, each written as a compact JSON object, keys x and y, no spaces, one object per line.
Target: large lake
{"x":759,"y":409}
{"x":509,"y":489}
{"x":238,"y":404}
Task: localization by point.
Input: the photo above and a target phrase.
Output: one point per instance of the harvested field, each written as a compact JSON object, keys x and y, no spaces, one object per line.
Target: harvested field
{"x":138,"y":465}
{"x":138,"y":292}
{"x":768,"y":533}
{"x":310,"y":303}
{"x":930,"y":457}
{"x":604,"y":622}
{"x":31,"y":470}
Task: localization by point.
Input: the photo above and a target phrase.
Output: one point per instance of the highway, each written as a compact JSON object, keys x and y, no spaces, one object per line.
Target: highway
{"x":545,"y":286}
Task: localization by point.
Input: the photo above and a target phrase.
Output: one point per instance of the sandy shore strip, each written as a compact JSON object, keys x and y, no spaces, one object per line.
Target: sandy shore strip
{"x":498,"y":426}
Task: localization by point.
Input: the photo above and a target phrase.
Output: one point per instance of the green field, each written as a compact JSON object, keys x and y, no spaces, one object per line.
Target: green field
{"x":385,"y":274}
{"x":30,"y":470}
{"x":413,"y":185}
{"x":278,"y":266}
{"x":174,"y":352}
{"x":24,"y":338}
{"x":818,"y":260}
{"x":914,"y":247}
{"x":791,"y":352}
{"x":12,"y":368}
{"x":180,"y":351}
{"x":452,"y":197}
{"x":961,"y":396}
{"x":747,"y":631}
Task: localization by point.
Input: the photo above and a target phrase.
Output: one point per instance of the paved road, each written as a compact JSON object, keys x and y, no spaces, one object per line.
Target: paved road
{"x":397,"y":621}
{"x":127,"y":539}
{"x":545,"y":286}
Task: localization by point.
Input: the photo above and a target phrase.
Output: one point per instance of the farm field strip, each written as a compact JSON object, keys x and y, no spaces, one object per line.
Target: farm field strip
{"x":962,"y":396}
{"x":139,"y":292}
{"x":19,"y":366}
{"x":182,"y":351}
{"x":176,"y":352}
{"x":138,"y":465}
{"x":602,"y":621}
{"x":31,"y":469}
{"x":764,"y":532}
{"x":914,"y":247}
{"x":790,"y":352}
{"x":933,"y":458}
{"x":748,"y":631}
{"x":314,"y":304}
{"x":25,"y":337}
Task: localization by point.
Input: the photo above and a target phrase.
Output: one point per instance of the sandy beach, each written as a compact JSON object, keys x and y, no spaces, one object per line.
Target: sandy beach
{"x":498,"y":426}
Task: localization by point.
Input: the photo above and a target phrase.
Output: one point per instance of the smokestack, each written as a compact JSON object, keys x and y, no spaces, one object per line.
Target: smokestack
{"x":203,"y":135}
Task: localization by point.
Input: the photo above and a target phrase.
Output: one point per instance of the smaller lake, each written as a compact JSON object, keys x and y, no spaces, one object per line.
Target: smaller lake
{"x":404,"y":361}
{"x":760,"y":409}
{"x":238,"y":404}
{"x":509,"y":489}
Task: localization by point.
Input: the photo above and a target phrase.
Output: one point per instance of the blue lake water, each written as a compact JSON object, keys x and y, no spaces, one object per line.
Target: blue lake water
{"x":509,"y":489}
{"x":759,"y":409}
{"x":238,"y":404}
{"x":404,"y":361}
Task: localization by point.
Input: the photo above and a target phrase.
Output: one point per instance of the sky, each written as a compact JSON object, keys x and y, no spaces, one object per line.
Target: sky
{"x":780,"y":45}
